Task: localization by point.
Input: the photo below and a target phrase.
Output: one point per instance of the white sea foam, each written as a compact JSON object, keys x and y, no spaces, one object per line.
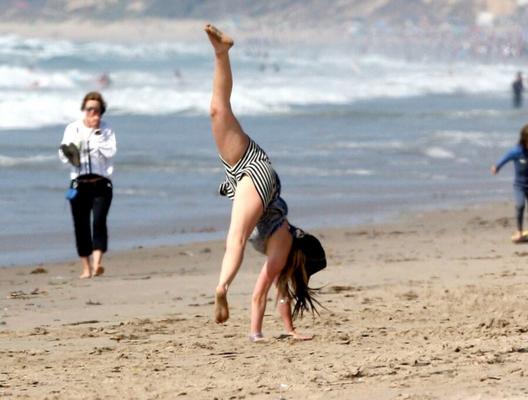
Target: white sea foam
{"x":480,"y":139}
{"x":38,"y":72}
{"x":7,"y":161}
{"x":325,"y":172}
{"x":438,"y":152}
{"x":367,"y":145}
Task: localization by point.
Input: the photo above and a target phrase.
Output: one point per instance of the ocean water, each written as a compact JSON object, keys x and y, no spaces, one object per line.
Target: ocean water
{"x":354,"y":137}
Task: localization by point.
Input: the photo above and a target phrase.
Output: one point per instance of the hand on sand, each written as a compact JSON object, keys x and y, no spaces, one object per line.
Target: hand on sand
{"x":220,"y":41}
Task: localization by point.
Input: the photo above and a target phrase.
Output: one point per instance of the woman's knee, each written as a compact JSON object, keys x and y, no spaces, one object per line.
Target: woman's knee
{"x":274,"y":266}
{"x":260,"y":295}
{"x":220,"y":112}
{"x":99,"y":225}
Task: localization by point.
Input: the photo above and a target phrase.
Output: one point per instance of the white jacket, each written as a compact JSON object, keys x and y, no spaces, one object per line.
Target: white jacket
{"x":96,"y":151}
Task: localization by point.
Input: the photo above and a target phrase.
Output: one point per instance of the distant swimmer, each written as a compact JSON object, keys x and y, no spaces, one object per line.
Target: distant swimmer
{"x":258,"y":214}
{"x":104,"y":80}
{"x":519,"y":156}
{"x":518,"y":89}
{"x":35,"y":83}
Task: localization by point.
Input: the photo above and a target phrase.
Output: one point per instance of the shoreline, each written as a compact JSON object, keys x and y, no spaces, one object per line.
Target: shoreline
{"x":431,"y":305}
{"x":203,"y":234}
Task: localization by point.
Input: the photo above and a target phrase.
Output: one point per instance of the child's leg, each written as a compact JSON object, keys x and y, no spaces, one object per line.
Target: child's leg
{"x":246,"y":211}
{"x":519,"y":208}
{"x":229,"y":136}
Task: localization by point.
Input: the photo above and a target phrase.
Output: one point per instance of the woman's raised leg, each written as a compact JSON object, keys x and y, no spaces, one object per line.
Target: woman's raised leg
{"x":229,"y":136}
{"x":232,"y":143}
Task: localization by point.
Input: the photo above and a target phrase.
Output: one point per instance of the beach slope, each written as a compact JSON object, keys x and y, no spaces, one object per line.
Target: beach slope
{"x":431,"y":306}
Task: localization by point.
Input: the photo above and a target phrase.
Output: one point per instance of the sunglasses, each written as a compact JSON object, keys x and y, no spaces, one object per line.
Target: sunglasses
{"x":90,"y":110}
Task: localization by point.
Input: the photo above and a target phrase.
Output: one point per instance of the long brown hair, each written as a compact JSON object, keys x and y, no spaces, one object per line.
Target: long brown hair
{"x":523,"y":137}
{"x":293,"y":282}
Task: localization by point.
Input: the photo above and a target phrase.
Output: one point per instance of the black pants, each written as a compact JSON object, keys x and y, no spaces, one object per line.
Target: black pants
{"x":92,"y":197}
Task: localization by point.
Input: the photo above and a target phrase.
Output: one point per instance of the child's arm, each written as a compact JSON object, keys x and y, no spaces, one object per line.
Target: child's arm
{"x":284,"y":308}
{"x":509,"y":156}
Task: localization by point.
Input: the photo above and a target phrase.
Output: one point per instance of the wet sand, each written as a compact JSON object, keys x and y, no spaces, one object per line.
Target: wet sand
{"x":431,"y":306}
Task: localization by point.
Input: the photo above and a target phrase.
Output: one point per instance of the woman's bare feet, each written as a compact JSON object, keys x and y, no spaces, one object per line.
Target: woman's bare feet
{"x":518,"y":237}
{"x":220,"y":41}
{"x":98,"y":271}
{"x":85,"y":275}
{"x":87,"y":268}
{"x":256,"y":338}
{"x":299,"y":336}
{"x":221,"y":307}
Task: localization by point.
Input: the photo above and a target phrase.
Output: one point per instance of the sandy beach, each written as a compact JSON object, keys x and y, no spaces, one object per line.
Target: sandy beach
{"x":152,"y":30}
{"x":430,"y":306}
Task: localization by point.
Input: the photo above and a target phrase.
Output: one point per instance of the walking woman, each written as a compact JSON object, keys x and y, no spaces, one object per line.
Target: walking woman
{"x":253,"y":185}
{"x":519,"y":156}
{"x":89,"y":145}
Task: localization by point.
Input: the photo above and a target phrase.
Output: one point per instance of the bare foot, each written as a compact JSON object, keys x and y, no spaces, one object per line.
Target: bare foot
{"x":517,"y":237}
{"x":220,"y":41}
{"x":299,"y":336}
{"x":85,"y":275}
{"x":256,"y":338}
{"x":99,"y":271}
{"x":221,"y":308}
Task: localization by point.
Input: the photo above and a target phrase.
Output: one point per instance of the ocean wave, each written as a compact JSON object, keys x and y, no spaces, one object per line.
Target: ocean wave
{"x":35,"y":49}
{"x":367,"y":145}
{"x":28,"y":78}
{"x":165,"y":78}
{"x":325,"y":172}
{"x":479,"y":139}
{"x":438,"y":153}
{"x":134,"y":192}
{"x":7,"y":161}
{"x":424,"y":148}
{"x":36,"y":109}
{"x":477,"y":113}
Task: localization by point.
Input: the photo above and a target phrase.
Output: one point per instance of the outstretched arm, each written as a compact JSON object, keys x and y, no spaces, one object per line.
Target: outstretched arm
{"x":509,"y":156}
{"x":284,"y":308}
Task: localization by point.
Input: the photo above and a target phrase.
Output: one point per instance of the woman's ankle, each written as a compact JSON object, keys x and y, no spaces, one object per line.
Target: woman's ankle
{"x":221,"y":289}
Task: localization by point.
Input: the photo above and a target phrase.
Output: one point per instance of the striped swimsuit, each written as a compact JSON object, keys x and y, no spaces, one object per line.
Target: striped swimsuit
{"x":256,"y":164}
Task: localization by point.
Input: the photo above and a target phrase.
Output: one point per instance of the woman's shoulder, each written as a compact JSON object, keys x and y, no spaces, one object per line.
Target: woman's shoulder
{"x":72,"y":126}
{"x":106,"y":128}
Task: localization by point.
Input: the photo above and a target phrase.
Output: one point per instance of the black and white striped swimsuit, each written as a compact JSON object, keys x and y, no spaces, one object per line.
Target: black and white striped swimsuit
{"x":255,"y":164}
